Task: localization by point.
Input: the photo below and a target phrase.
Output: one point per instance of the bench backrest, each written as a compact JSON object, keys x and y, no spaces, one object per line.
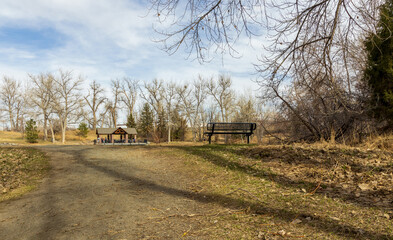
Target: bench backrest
{"x":231,"y":128}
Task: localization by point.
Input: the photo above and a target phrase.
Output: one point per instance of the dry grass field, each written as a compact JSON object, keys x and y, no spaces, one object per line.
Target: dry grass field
{"x":297,"y":191}
{"x":71,"y":137}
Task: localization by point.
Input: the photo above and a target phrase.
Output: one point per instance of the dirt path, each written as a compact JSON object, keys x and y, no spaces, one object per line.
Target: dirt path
{"x":105,"y":193}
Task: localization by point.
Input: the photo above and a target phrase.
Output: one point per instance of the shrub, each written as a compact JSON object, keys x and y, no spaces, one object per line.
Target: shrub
{"x":83,"y":130}
{"x":31,"y":131}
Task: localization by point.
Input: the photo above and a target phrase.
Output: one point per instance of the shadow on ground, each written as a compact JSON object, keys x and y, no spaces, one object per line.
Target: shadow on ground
{"x":213,"y":154}
{"x":320,"y":224}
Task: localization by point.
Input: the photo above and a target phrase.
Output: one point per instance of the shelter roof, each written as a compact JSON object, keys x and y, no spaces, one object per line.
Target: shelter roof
{"x":106,"y":131}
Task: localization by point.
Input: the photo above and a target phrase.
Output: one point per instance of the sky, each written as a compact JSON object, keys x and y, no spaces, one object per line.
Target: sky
{"x":103,"y":40}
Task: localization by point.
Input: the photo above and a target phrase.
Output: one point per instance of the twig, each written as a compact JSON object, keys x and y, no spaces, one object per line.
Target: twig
{"x":176,"y":215}
{"x":311,"y":193}
{"x":185,"y":233}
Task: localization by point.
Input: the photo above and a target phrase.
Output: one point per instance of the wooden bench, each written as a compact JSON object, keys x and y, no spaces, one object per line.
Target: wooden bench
{"x":230,"y":128}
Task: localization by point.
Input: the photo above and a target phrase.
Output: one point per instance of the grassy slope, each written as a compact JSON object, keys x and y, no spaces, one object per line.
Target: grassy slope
{"x":276,"y":189}
{"x":71,"y":137}
{"x":20,"y":170}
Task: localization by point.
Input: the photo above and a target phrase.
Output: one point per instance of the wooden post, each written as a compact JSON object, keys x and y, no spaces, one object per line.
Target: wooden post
{"x":126,"y":138}
{"x":112,"y":140}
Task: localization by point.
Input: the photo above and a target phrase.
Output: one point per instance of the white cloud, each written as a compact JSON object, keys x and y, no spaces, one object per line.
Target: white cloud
{"x":103,"y":40}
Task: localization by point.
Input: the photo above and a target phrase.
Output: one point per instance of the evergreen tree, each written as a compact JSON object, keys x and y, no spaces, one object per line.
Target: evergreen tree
{"x":131,"y":121}
{"x":83,"y":130}
{"x":379,"y":71}
{"x":161,"y":125}
{"x":146,"y":121}
{"x":180,"y":126}
{"x":31,"y":131}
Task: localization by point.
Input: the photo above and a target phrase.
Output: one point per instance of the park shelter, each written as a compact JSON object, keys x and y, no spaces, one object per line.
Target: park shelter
{"x":125,"y":134}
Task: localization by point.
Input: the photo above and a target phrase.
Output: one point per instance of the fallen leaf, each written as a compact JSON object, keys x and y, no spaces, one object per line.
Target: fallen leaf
{"x":296,"y":221}
{"x":364,"y":186}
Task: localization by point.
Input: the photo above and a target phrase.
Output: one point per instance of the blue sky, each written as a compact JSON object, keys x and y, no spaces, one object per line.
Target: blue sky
{"x":102,"y":40}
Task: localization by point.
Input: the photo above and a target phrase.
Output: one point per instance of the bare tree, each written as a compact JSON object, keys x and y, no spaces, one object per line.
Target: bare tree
{"x":66,"y":98}
{"x":51,"y":121}
{"x":41,"y":96}
{"x":245,"y":108}
{"x":222,"y":95}
{"x":186,"y":102}
{"x":310,"y":62}
{"x":199,"y":25}
{"x":192,"y":98}
{"x":199,"y":95}
{"x":10,"y":97}
{"x":104,"y":119}
{"x":129,"y":90}
{"x":113,"y":104}
{"x":94,"y":99}
{"x":169,"y":97}
{"x":20,"y":111}
{"x":154,"y":95}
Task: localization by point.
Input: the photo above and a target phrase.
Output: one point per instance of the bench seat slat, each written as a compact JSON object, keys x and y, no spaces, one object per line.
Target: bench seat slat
{"x":230,"y":128}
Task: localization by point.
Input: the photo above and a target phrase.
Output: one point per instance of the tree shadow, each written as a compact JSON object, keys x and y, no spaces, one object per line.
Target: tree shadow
{"x":208,"y":154}
{"x":318,"y":223}
{"x":308,"y":156}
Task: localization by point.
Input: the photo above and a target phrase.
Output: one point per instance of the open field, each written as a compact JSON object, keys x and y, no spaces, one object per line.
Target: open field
{"x":208,"y":192}
{"x":71,"y":138}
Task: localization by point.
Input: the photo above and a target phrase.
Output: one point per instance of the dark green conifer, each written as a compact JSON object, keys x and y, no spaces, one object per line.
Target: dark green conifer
{"x":31,"y":131}
{"x":379,"y":71}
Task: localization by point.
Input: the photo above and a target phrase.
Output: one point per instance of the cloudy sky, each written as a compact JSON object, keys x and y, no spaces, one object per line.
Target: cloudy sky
{"x":101,"y":40}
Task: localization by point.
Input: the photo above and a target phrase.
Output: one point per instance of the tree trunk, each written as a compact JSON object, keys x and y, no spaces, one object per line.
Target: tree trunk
{"x":114,"y":121}
{"x":332,"y":139}
{"x":169,"y":133}
{"x":45,"y":127}
{"x":63,"y":130}
{"x":259,"y":133}
{"x":94,"y":122}
{"x":52,"y":132}
{"x":12,"y":125}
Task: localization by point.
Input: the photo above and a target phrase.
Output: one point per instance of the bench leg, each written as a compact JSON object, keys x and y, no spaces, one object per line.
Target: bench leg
{"x":248,"y":139}
{"x":210,"y":139}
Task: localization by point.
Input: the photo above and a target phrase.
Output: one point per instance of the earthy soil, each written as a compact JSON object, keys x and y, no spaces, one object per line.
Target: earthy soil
{"x":106,"y":192}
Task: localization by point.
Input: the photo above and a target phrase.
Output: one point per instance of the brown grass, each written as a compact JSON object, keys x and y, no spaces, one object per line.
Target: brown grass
{"x":300,"y":191}
{"x":20,"y":170}
{"x":71,"y":138}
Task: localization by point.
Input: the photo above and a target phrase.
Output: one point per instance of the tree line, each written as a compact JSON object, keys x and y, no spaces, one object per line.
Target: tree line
{"x":161,"y":110}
